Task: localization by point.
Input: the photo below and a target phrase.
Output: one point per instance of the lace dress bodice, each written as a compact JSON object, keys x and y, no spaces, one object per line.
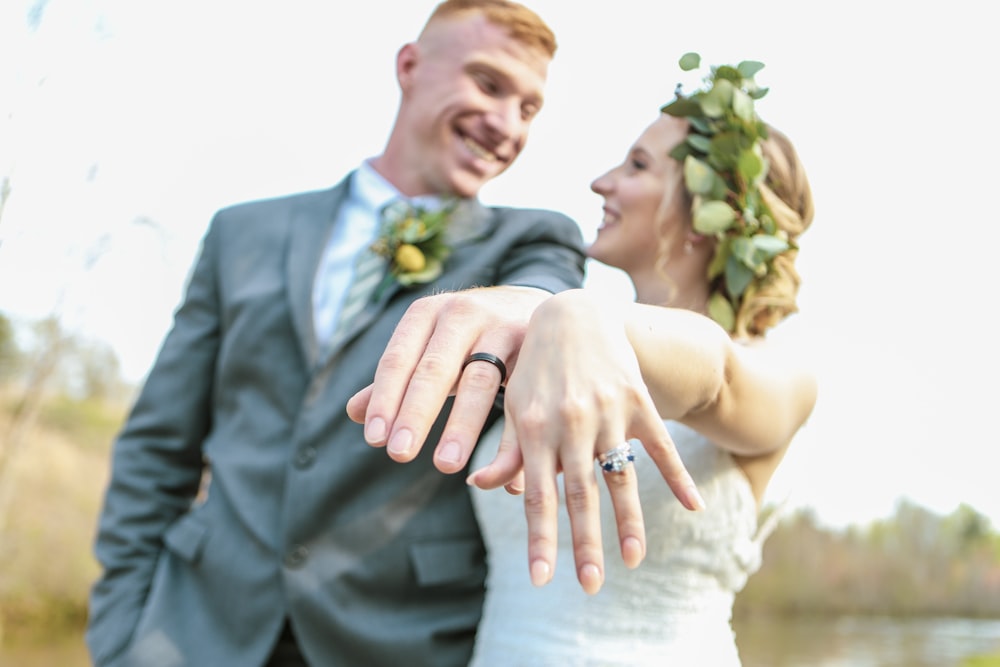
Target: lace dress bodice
{"x":674,"y":609}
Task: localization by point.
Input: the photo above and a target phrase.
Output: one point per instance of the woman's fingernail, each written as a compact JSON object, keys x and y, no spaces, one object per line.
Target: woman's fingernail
{"x":590,"y":578}
{"x":540,"y":572}
{"x":697,"y":502}
{"x":632,"y":552}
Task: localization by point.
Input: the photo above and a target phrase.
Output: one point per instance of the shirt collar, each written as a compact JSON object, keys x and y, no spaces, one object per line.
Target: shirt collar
{"x":372,"y":190}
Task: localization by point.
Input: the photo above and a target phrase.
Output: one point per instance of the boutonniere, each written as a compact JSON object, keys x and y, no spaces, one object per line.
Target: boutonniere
{"x":412,"y":239}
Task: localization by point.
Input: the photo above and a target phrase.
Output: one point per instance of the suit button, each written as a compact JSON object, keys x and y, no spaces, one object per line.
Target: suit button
{"x":305,"y":457}
{"x":296,"y":558}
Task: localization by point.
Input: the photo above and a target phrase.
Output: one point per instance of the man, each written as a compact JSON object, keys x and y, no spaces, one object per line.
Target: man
{"x":304,"y":546}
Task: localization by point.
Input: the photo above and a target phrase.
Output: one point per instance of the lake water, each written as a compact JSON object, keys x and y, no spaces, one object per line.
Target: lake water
{"x":865,"y":642}
{"x":764,"y":642}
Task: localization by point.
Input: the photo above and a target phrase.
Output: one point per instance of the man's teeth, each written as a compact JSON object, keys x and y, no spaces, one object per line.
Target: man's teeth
{"x":479,"y":151}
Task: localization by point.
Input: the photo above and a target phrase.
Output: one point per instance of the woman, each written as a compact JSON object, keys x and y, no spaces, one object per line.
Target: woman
{"x":703,"y":215}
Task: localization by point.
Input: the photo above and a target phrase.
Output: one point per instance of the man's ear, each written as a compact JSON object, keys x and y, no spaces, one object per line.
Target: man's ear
{"x":406,"y":62}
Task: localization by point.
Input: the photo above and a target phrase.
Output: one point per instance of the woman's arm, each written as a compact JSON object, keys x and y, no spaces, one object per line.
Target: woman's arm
{"x":750,"y":399}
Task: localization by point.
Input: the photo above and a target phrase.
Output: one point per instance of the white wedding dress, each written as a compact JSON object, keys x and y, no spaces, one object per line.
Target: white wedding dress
{"x":674,"y":609}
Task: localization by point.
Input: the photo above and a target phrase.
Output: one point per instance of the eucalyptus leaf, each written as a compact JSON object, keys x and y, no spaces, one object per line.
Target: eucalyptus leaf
{"x":717,"y":100}
{"x":749,"y":166}
{"x":743,"y":250}
{"x":720,"y":190}
{"x":768,"y":225}
{"x":690,"y":61}
{"x":720,"y":310}
{"x":719,"y":259}
{"x":738,"y":276}
{"x":701,"y":125}
{"x":700,"y":143}
{"x":713,"y":217}
{"x":698,"y":176}
{"x":770,"y":246}
{"x":725,"y":149}
{"x":712,"y":107}
{"x":681,"y":151}
{"x":743,"y":105}
{"x":727,"y":73}
{"x":748,"y":68}
{"x":682,"y":107}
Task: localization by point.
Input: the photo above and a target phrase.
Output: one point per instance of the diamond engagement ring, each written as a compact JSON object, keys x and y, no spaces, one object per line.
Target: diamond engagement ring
{"x":615,"y":460}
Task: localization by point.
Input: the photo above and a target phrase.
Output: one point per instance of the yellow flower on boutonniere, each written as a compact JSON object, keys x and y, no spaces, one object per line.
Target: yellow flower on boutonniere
{"x":412,"y":239}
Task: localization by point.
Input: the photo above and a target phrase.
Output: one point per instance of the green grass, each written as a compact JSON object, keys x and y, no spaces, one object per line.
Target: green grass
{"x":982,"y":661}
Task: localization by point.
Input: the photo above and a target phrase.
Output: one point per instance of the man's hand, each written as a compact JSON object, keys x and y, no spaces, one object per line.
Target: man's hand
{"x":423,"y":365}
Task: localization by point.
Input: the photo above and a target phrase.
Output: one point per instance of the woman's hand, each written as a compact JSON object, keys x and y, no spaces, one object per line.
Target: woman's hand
{"x":577,"y":392}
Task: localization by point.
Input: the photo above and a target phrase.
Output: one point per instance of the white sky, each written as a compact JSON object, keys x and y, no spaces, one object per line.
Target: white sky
{"x":118,"y":110}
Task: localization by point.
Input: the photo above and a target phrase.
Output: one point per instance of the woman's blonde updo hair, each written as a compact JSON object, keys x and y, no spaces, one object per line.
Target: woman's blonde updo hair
{"x":787,"y":194}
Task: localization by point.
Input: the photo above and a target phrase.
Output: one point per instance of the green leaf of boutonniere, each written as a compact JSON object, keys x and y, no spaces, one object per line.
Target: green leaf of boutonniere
{"x":413,"y":240}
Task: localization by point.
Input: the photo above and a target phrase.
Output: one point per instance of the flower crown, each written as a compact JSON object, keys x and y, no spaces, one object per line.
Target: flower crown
{"x":724,"y":167}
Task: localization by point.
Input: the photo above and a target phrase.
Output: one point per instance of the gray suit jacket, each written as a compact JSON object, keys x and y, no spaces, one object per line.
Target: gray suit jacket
{"x":374,"y":562}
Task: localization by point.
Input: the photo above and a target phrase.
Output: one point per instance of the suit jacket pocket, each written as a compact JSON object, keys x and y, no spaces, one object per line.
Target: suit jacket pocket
{"x":448,"y":561}
{"x":186,"y":537}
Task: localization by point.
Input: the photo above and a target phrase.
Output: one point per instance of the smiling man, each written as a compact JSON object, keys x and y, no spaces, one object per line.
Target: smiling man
{"x":307,"y":546}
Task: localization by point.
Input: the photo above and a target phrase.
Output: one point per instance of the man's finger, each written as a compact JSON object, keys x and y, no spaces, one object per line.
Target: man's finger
{"x":357,"y":405}
{"x":396,"y":367}
{"x":474,"y":399}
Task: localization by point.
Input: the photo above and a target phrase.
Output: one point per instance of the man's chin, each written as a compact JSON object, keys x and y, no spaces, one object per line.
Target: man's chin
{"x":468,"y":185}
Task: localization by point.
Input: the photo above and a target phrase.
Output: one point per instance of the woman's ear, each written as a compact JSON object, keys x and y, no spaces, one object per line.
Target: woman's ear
{"x":693,"y":241}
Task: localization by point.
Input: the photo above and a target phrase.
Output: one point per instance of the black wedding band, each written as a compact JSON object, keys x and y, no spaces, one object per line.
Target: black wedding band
{"x":489,"y":358}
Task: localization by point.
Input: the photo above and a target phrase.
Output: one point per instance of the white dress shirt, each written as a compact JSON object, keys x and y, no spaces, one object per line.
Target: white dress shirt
{"x":357,"y":226}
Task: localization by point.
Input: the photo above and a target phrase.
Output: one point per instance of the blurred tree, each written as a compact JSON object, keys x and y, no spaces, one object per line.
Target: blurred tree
{"x":10,"y":355}
{"x":915,"y":562}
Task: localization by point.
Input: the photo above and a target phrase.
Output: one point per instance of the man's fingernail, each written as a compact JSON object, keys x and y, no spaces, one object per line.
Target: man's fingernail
{"x":401,"y":442}
{"x":449,"y":453}
{"x":375,"y":431}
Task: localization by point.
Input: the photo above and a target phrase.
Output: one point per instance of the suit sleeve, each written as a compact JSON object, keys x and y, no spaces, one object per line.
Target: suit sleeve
{"x":156,"y":463}
{"x":549,"y":256}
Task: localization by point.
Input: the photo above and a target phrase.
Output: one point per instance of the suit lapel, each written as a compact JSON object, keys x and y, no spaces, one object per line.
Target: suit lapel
{"x":310,"y":228}
{"x":470,"y":222}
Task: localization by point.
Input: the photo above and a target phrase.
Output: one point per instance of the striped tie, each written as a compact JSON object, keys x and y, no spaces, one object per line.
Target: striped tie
{"x":369,"y":269}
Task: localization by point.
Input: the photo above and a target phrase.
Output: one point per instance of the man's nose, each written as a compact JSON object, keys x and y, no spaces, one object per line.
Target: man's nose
{"x":505,"y":119}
